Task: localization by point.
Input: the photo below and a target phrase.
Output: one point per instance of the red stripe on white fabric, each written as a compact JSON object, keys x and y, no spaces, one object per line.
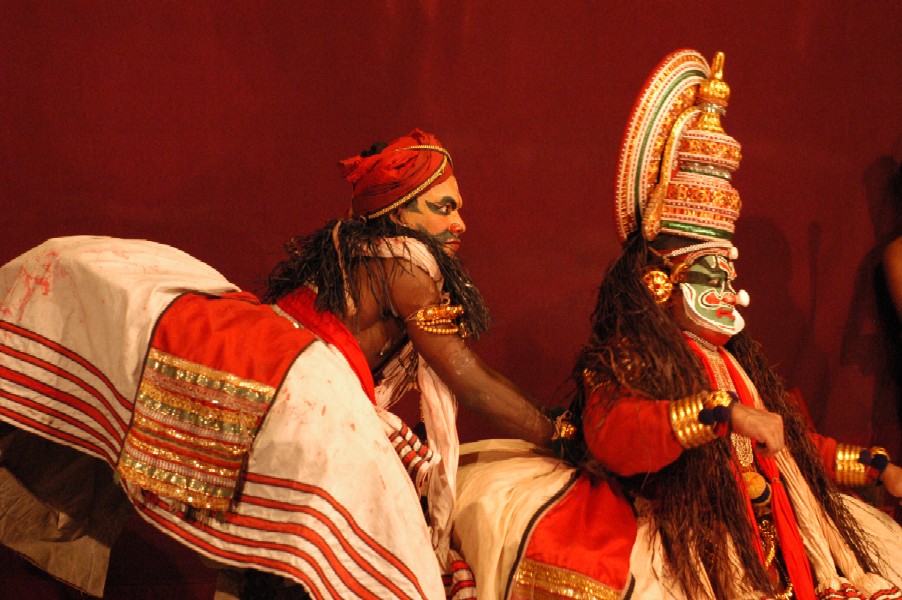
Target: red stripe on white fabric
{"x":44,"y":389}
{"x":414,"y":454}
{"x":53,"y":433}
{"x":63,"y":374}
{"x":337,"y":532}
{"x":176,"y":528}
{"x":358,"y":533}
{"x":261,"y":543}
{"x":460,"y":583}
{"x":54,"y":420}
{"x":126,"y":404}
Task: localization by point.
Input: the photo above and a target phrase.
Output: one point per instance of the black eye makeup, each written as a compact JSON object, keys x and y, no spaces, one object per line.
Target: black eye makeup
{"x":444,"y":206}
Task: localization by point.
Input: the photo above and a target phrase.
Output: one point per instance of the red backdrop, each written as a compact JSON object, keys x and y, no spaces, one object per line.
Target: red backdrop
{"x":216,"y":127}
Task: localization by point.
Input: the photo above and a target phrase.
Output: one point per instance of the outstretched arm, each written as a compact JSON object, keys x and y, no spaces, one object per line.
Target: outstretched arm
{"x":478,"y":387}
{"x":843,"y":463}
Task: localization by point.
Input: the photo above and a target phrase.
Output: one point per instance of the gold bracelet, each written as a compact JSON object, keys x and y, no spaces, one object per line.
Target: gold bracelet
{"x":718,"y":398}
{"x":849,"y":469}
{"x":684,"y":421}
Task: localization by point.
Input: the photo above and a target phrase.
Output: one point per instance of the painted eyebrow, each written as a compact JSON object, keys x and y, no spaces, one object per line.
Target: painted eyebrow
{"x":711,"y":271}
{"x":444,"y":201}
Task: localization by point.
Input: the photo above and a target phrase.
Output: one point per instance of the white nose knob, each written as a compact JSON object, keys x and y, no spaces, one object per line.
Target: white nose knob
{"x":742,"y":298}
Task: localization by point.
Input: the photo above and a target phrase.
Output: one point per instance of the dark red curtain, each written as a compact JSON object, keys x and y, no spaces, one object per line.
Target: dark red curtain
{"x":216,"y":127}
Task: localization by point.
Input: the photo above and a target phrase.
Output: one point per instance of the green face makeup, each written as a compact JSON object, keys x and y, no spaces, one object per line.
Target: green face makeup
{"x":708,"y":295}
{"x":443,"y":207}
{"x":436,"y":213}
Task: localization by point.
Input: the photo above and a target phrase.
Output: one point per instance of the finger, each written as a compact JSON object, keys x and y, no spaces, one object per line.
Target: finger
{"x":763,"y":449}
{"x":768,"y":450}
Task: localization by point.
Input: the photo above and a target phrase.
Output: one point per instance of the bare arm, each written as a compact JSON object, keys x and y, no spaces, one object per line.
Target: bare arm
{"x":892,"y":480}
{"x":478,"y":387}
{"x":892,"y":267}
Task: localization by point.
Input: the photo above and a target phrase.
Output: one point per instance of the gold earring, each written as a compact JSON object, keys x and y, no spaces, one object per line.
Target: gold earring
{"x":659,"y":284}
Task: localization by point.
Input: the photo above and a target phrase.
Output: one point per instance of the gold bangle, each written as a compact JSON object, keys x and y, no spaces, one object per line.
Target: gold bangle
{"x":718,"y":398}
{"x":849,"y":469}
{"x":684,"y":421}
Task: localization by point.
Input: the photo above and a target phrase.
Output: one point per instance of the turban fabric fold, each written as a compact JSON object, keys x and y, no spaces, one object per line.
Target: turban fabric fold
{"x":406,"y":168}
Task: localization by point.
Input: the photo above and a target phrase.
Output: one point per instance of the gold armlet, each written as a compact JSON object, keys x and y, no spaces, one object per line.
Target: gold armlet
{"x":438,"y":319}
{"x":684,"y":420}
{"x":849,"y":468}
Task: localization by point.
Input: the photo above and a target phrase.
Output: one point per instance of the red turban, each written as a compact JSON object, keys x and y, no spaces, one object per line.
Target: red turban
{"x":407,"y":167}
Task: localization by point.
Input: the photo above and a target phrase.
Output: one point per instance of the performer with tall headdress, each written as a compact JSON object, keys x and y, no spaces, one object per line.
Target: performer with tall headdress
{"x":696,"y":474}
{"x":258,"y":434}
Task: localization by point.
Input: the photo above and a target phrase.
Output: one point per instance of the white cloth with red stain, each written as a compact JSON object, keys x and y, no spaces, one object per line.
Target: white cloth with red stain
{"x":326,"y":501}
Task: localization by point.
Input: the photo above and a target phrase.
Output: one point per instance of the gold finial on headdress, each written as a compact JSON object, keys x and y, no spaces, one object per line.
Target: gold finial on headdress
{"x":714,"y":94}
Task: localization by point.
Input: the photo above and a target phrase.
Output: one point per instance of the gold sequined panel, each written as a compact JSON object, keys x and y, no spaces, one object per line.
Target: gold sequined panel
{"x":702,"y":196}
{"x":538,"y":581}
{"x":192,"y":429}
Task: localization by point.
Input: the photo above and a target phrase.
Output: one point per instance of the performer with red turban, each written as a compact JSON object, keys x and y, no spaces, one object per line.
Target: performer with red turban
{"x":258,"y":434}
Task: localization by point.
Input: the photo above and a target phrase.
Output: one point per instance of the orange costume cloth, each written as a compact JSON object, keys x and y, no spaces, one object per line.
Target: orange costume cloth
{"x":568,"y":537}
{"x":205,"y":365}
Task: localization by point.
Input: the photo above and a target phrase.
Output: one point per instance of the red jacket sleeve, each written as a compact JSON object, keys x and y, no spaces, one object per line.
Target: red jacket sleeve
{"x":826,"y":448}
{"x":634,"y":436}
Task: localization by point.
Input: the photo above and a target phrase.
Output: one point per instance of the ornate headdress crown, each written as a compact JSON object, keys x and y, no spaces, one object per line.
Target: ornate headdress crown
{"x":676,"y":163}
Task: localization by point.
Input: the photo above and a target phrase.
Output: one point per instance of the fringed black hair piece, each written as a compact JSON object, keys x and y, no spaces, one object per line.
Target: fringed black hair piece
{"x":313,"y":260}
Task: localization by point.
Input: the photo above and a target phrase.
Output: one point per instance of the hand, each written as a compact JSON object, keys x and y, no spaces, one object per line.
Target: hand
{"x":892,"y":480}
{"x":760,"y":425}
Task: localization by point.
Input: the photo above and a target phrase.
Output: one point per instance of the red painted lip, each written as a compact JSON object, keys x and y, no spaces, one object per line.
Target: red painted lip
{"x":455,"y":244}
{"x":726,"y":312}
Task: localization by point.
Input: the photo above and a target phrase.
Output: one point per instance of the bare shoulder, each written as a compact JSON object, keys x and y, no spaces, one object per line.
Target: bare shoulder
{"x":410,"y":287}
